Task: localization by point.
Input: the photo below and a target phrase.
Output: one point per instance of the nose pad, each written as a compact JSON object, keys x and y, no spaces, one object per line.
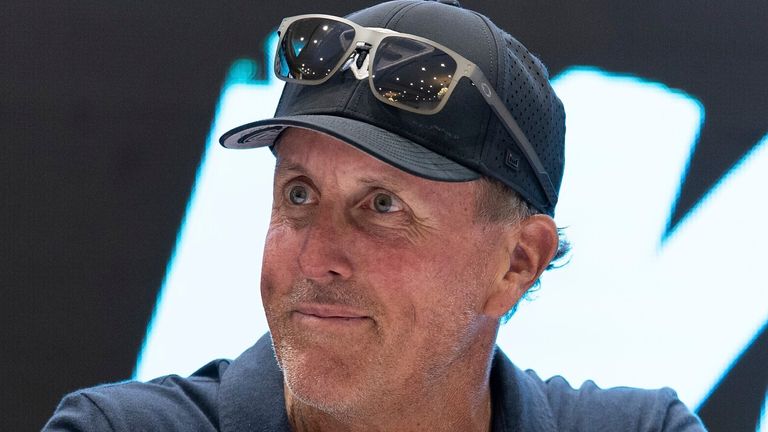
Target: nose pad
{"x":360,"y":72}
{"x":362,"y":56}
{"x":358,"y":63}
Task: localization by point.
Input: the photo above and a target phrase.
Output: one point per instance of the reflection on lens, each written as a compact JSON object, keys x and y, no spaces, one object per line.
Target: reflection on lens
{"x":412,"y":73}
{"x":312,"y":47}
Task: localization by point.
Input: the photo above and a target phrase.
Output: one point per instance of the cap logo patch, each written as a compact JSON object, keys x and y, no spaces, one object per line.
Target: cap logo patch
{"x":512,"y":161}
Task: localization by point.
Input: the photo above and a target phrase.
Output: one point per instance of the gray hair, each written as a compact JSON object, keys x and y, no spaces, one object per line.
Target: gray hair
{"x":498,"y":203}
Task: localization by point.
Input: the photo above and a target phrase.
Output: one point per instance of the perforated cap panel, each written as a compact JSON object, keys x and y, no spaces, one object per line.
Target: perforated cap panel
{"x":525,"y":89}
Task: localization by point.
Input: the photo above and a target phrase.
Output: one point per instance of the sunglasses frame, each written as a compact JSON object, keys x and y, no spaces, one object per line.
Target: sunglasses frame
{"x":373,"y":37}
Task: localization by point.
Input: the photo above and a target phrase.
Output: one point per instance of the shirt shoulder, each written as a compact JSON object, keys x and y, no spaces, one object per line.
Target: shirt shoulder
{"x":167,"y":403}
{"x":621,"y":408}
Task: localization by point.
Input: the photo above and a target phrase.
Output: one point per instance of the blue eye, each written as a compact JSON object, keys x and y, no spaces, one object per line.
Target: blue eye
{"x":382,"y":203}
{"x":298,"y":194}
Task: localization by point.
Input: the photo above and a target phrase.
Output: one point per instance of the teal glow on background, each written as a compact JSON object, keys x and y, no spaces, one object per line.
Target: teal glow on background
{"x":212,"y":282}
{"x":631,"y":308}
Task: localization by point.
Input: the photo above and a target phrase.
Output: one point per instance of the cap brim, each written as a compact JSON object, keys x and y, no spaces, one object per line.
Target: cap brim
{"x":382,"y":144}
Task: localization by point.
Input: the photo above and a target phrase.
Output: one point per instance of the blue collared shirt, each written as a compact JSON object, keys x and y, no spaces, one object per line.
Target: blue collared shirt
{"x":247,"y":395}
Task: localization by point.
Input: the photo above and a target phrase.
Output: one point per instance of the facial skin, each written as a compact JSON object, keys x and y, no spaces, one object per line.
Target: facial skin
{"x":383,"y":291}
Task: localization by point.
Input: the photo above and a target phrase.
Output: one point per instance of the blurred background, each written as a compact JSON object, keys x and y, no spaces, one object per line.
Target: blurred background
{"x":130,"y":243}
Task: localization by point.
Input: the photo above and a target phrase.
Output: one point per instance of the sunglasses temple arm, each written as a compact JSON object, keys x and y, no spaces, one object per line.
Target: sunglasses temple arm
{"x":502,"y":112}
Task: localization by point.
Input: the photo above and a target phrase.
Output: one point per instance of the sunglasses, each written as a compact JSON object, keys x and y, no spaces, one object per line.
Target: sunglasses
{"x":403,"y":70}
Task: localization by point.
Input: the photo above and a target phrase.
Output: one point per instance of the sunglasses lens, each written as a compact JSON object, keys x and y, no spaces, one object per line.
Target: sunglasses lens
{"x":311,"y":48}
{"x":412,"y":73}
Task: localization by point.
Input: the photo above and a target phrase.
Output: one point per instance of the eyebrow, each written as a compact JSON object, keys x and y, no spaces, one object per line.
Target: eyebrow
{"x":385,"y":181}
{"x":286,"y":165}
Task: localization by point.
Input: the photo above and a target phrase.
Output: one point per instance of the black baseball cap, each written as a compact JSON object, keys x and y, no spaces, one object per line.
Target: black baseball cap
{"x":462,"y":142}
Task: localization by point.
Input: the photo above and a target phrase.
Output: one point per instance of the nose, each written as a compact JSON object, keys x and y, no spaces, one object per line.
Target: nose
{"x":324,"y":255}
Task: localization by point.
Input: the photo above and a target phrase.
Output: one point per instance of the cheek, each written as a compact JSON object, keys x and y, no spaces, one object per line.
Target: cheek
{"x":423,"y":281}
{"x":278,"y":261}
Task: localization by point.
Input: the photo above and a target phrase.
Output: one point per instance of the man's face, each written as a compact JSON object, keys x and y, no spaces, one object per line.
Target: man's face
{"x":374,"y":280}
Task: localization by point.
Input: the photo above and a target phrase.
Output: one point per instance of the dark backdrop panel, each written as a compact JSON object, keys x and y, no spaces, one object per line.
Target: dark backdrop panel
{"x":104,"y":112}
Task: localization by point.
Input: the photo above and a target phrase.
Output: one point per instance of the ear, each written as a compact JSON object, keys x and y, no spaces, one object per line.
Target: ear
{"x":530,"y":246}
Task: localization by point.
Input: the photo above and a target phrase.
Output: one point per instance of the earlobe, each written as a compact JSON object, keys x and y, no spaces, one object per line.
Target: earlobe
{"x":531,"y":245}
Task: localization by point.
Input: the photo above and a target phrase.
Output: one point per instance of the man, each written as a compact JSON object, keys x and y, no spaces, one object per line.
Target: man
{"x":419,"y":153}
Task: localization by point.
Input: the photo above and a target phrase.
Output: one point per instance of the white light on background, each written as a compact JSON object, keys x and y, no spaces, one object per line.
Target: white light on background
{"x":209,"y":305}
{"x":630,"y":309}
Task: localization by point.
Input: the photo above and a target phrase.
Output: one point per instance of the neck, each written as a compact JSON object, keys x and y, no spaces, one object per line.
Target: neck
{"x":458,"y":401}
{"x":446,"y":414}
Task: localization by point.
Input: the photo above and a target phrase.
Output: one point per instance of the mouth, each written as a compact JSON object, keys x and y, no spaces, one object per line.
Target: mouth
{"x":330,"y":315}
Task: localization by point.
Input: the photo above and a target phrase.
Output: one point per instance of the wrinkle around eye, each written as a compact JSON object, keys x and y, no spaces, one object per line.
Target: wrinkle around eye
{"x":402,"y":223}
{"x":398,"y":226}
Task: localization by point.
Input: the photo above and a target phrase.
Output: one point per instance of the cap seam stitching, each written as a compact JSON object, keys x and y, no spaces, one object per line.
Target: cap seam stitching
{"x":397,"y":16}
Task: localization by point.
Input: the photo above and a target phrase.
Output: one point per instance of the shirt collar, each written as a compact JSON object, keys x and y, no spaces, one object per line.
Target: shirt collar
{"x":251,"y":395}
{"x":518,"y":398}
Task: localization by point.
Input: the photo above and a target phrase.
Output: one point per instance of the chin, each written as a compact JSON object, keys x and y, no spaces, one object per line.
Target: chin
{"x":320,"y":377}
{"x":330,"y":386}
